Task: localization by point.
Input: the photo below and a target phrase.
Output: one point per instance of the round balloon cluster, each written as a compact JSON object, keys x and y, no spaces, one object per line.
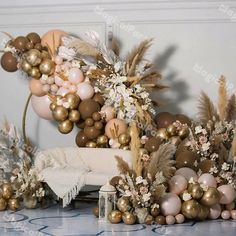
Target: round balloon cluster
{"x":7,"y":200}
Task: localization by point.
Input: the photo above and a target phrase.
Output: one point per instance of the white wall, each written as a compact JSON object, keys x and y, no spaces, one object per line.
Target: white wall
{"x":187,"y":33}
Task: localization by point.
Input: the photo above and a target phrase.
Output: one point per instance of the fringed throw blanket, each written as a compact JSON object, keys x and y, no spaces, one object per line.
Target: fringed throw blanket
{"x":65,"y":178}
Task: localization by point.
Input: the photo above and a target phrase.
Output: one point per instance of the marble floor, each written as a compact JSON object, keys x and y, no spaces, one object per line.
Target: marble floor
{"x":79,"y":221}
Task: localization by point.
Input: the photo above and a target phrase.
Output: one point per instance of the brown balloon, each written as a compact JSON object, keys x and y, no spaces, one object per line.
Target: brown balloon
{"x":33,"y":37}
{"x":80,"y":124}
{"x":160,"y":220}
{"x":164,"y":119}
{"x":187,"y":159}
{"x":38,"y":46}
{"x":91,"y":132}
{"x":89,"y":122}
{"x":9,"y":62}
{"x":206,"y":165}
{"x":81,"y":139}
{"x":88,"y":107}
{"x":183,"y":119}
{"x":98,"y":125}
{"x":99,"y":98}
{"x":65,"y":127}
{"x":153,"y":144}
{"x":20,"y":43}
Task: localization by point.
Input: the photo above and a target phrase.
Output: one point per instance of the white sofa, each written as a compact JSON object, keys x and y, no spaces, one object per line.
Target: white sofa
{"x":100,"y":162}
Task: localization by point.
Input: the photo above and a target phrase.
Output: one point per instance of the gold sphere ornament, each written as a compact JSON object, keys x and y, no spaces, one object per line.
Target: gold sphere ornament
{"x":47,"y":67}
{"x":25,"y":66}
{"x":13,"y":204}
{"x":124,"y":139}
{"x":34,"y":73}
{"x":3,"y":204}
{"x":195,"y":190}
{"x":211,"y":197}
{"x":52,"y":106}
{"x":73,"y":100}
{"x":129,"y":218}
{"x":171,"y":130}
{"x":33,"y":57}
{"x":102,"y":140}
{"x":183,"y":133}
{"x":74,"y":116}
{"x":203,"y":212}
{"x":190,"y":209}
{"x":115,"y":217}
{"x":7,"y":191}
{"x":162,"y":133}
{"x":60,"y":113}
{"x":91,"y":144}
{"x":123,"y":204}
{"x":65,"y":127}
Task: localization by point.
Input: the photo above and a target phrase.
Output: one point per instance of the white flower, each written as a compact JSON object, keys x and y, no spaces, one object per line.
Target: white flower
{"x":155,"y":205}
{"x":213,"y":170}
{"x":191,"y":180}
{"x":139,"y":180}
{"x":66,"y":53}
{"x":206,"y":146}
{"x":128,"y":193}
{"x":204,"y":187}
{"x":198,"y":129}
{"x":187,"y":196}
{"x":146,"y":197}
{"x":225,"y":166}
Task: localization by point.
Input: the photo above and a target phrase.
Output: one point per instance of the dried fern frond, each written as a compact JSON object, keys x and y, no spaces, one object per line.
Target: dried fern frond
{"x":230,"y":113}
{"x":206,"y":109}
{"x":123,"y":166}
{"x":222,"y":97}
{"x":152,"y":77}
{"x":135,"y":146}
{"x":83,"y":48}
{"x":161,"y":161}
{"x":136,"y":56}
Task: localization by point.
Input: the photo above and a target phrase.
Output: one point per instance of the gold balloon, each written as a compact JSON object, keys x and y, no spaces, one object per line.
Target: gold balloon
{"x":33,"y":57}
{"x":3,"y":204}
{"x":34,"y":73}
{"x":74,"y":116}
{"x":102,"y":140}
{"x":91,"y":144}
{"x":123,"y":204}
{"x":13,"y":204}
{"x":195,"y":190}
{"x":190,"y":209}
{"x":203,"y":213}
{"x":183,"y":133}
{"x":115,"y":217}
{"x":155,"y":211}
{"x":53,"y":106}
{"x":175,"y":140}
{"x":129,"y":218}
{"x":171,"y":130}
{"x":7,"y":191}
{"x":124,"y":139}
{"x":60,"y":113}
{"x":162,"y":133}
{"x":73,"y":100}
{"x":25,"y":66}
{"x":211,"y":197}
{"x":65,"y":127}
{"x":47,"y":67}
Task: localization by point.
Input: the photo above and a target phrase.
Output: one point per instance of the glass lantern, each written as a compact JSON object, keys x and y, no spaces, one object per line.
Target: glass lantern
{"x":107,"y":201}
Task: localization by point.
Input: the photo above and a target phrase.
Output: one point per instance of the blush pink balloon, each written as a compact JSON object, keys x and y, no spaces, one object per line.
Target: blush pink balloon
{"x":73,"y":88}
{"x":180,"y":218}
{"x":170,"y":204}
{"x":110,"y":126}
{"x":177,"y":184}
{"x":225,"y":215}
{"x":170,"y":220}
{"x":62,"y":91}
{"x":187,"y":173}
{"x":233,"y":214}
{"x":228,"y":194}
{"x":85,"y":90}
{"x":41,"y":106}
{"x":66,"y":84}
{"x":76,"y":76}
{"x":230,"y":206}
{"x":58,"y":60}
{"x":58,"y":81}
{"x":36,"y":88}
{"x":208,"y":180}
{"x":108,"y":112}
{"x":215,"y":212}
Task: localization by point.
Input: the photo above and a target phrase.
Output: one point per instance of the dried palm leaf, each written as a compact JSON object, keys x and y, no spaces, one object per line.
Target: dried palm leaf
{"x":115,"y":47}
{"x":161,"y":161}
{"x":207,"y":110}
{"x":83,"y":48}
{"x":152,"y":76}
{"x":159,"y":192}
{"x":136,"y":56}
{"x":135,"y":146}
{"x":230,"y":114}
{"x":123,"y":166}
{"x":223,"y":97}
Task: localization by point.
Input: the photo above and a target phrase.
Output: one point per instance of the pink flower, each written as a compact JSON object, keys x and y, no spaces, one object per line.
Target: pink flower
{"x":143,"y":190}
{"x":146,"y":157}
{"x":202,"y":140}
